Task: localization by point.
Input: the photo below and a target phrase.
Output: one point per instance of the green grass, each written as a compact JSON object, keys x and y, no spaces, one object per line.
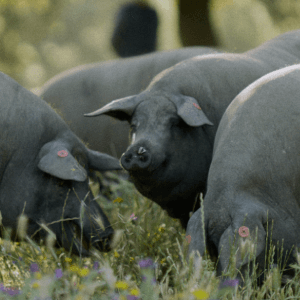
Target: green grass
{"x":126,"y":272}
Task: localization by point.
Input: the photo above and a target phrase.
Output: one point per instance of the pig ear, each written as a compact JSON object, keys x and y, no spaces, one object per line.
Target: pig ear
{"x":56,"y":160}
{"x":102,"y":162}
{"x":190,"y":111}
{"x":195,"y":233}
{"x":121,"y":109}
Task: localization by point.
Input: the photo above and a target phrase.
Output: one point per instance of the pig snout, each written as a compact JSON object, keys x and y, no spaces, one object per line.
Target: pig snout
{"x":104,"y":244}
{"x":137,"y":157}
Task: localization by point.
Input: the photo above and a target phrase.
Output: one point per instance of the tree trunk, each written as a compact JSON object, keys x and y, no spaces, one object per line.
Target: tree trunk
{"x":195,"y":28}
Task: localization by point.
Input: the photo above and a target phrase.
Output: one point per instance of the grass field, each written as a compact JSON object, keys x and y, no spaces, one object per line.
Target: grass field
{"x":148,"y":261}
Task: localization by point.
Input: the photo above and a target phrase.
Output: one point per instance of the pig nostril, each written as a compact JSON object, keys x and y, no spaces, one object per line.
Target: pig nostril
{"x":136,"y":158}
{"x":128,"y":157}
{"x":141,"y":150}
{"x":143,"y":158}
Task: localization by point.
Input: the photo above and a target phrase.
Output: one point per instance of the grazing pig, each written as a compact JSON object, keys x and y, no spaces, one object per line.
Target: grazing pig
{"x":43,"y":172}
{"x":253,"y":186}
{"x":86,"y":88}
{"x":174,"y":121}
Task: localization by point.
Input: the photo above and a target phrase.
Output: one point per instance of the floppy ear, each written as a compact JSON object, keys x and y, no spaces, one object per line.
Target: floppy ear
{"x":121,"y":109}
{"x":190,"y":111}
{"x":102,"y":162}
{"x":195,"y":233}
{"x":56,"y":160}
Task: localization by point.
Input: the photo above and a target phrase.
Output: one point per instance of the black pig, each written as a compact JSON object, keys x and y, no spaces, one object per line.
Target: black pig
{"x":88,"y":87}
{"x":253,"y":182}
{"x":43,"y":172}
{"x":174,"y":121}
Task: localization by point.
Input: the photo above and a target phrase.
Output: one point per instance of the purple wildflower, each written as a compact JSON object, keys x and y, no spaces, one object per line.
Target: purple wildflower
{"x":58,"y":273}
{"x":232,"y":283}
{"x":133,"y":217}
{"x":146,"y":263}
{"x":96,"y":265}
{"x":144,"y":278}
{"x":10,"y":291}
{"x":13,"y":292}
{"x":20,"y":258}
{"x":34,"y":267}
{"x":131,"y":297}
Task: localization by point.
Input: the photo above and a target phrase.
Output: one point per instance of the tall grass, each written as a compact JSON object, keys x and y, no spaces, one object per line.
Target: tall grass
{"x":148,"y":262}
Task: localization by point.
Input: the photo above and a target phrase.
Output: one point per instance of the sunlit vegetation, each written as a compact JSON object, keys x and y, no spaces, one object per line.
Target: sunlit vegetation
{"x":148,"y":261}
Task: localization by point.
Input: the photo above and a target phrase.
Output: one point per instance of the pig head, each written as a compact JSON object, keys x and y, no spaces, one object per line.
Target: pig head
{"x":168,"y":141}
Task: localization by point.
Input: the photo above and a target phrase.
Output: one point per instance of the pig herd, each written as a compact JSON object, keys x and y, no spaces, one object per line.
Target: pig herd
{"x":219,"y":124}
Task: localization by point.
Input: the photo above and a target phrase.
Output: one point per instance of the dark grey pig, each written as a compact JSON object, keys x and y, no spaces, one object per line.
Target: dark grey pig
{"x":86,"y":88}
{"x":174,"y":121}
{"x":253,"y":182}
{"x":43,"y":172}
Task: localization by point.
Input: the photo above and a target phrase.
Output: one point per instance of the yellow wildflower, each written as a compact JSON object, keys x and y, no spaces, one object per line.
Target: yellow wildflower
{"x":201,"y":294}
{"x":119,"y":200}
{"x":74,"y":268}
{"x":163,"y":260}
{"x":83,"y":272}
{"x":116,"y":254}
{"x":42,"y":257}
{"x":37,"y":275}
{"x":131,"y":259}
{"x":67,"y":259}
{"x":134,"y":292}
{"x":162,"y":228}
{"x":121,"y":285}
{"x":35,"y":285}
{"x":122,"y":297}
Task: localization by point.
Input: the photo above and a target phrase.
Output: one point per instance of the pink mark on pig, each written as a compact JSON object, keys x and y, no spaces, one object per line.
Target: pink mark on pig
{"x":196,"y":105}
{"x":62,"y":153}
{"x":243,"y":231}
{"x":188,"y":238}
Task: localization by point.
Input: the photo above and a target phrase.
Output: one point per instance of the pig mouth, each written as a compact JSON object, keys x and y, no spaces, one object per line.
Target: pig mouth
{"x":83,"y":245}
{"x":150,"y":176}
{"x":144,"y":175}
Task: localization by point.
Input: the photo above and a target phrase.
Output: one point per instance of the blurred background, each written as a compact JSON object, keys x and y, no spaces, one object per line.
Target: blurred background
{"x":39,"y":39}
